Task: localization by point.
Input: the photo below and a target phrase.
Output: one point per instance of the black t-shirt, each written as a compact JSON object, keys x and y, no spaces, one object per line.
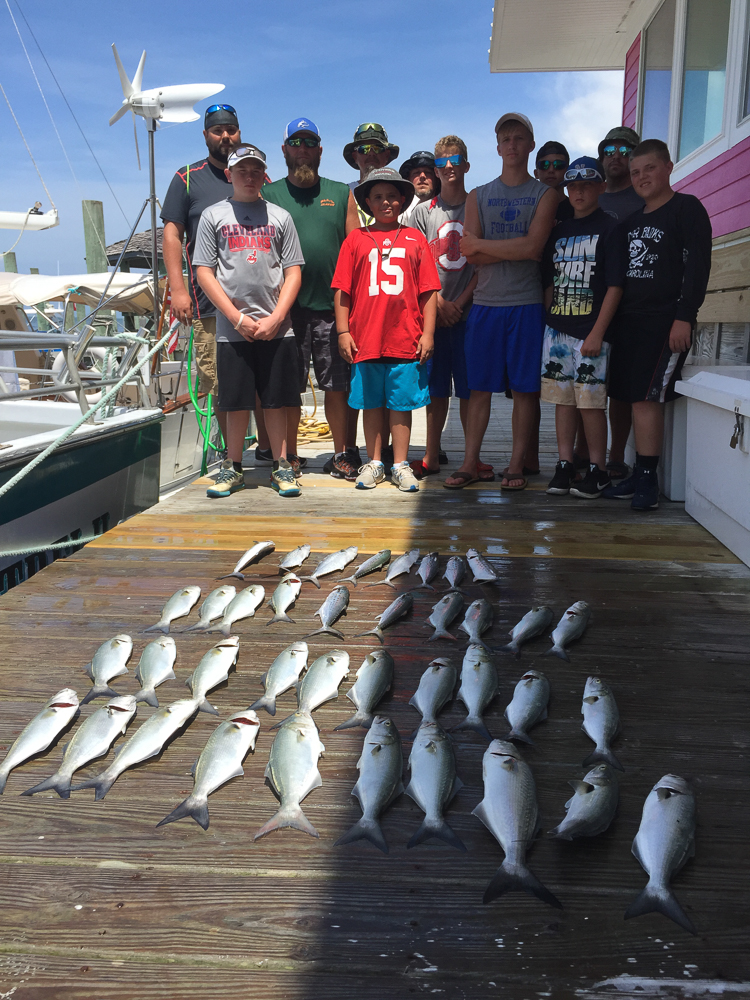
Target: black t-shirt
{"x":564,"y":211}
{"x":663,"y":259}
{"x":578,"y":264}
{"x":193,"y":189}
{"x":621,"y":204}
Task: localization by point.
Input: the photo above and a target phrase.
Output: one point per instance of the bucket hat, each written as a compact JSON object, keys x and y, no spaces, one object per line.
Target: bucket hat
{"x":422,"y":158}
{"x":384,"y":175}
{"x":620,"y":133}
{"x":369,"y":132}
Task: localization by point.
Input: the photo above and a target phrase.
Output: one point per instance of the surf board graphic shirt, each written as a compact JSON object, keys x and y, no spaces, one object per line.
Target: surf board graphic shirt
{"x":577,"y":264}
{"x":249,"y":243}
{"x":443,"y":226}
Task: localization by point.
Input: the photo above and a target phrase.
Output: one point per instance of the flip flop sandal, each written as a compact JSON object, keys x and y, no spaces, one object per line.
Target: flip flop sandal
{"x":420,"y":470}
{"x":465,"y":477}
{"x":485,"y":476}
{"x":514,"y":475}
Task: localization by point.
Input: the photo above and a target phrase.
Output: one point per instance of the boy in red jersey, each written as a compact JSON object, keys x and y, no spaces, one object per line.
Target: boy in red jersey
{"x":385,"y":303}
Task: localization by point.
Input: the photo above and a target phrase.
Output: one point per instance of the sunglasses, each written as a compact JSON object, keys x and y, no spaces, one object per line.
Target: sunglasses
{"x":554,"y":164}
{"x":308,"y":141}
{"x":582,"y":174}
{"x":370,"y":147}
{"x":370,"y":127}
{"x":220,"y":107}
{"x":622,"y":150}
{"x":456,"y":160}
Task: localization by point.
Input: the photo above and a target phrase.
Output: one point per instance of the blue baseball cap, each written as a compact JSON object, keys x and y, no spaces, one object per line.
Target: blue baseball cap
{"x":583,"y":168}
{"x":300,"y":125}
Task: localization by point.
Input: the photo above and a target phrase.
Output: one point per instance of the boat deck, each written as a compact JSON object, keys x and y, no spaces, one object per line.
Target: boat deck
{"x":99,"y":904}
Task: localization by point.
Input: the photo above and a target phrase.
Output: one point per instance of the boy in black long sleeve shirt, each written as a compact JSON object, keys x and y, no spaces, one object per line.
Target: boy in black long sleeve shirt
{"x":665,"y":261}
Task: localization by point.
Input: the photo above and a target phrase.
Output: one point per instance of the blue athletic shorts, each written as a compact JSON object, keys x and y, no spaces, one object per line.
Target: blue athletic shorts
{"x":504,"y":348}
{"x":448,"y":363}
{"x":397,"y":385}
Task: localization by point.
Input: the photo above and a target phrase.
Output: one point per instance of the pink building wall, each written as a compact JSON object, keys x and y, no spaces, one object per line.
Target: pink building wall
{"x":630,"y":92}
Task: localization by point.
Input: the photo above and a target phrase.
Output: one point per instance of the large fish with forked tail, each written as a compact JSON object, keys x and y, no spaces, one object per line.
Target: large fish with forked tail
{"x":38,"y":734}
{"x":332,"y":563}
{"x":479,"y":683}
{"x":178,"y":605}
{"x":571,"y":626}
{"x":373,"y":679}
{"x":283,"y":674}
{"x":601,"y":721}
{"x":254,"y":554}
{"x":107,"y":663}
{"x":433,"y":783}
{"x":397,"y":609}
{"x":292,"y":772}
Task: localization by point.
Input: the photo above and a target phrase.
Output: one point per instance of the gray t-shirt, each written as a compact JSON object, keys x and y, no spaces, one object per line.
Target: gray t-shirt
{"x":443,"y":226}
{"x":506,"y":213}
{"x":249,"y":244}
{"x":621,"y":204}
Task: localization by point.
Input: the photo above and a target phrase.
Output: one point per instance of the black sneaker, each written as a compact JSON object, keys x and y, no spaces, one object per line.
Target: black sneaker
{"x":563,"y":477}
{"x":594,"y":482}
{"x":646,"y":496}
{"x":342,"y":468}
{"x":354,"y":457}
{"x":263,"y":457}
{"x":328,"y":467}
{"x":296,"y":465}
{"x":625,"y":489}
{"x":299,"y":460}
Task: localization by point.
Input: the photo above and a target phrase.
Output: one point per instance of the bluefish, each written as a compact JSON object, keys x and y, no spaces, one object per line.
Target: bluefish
{"x":443,"y":613}
{"x":433,"y":783}
{"x":399,"y":567}
{"x":397,"y":609}
{"x":481,"y":568}
{"x":294,"y":559}
{"x":533,"y":623}
{"x":332,"y":563}
{"x":373,"y":679}
{"x":571,"y":626}
{"x":593,"y":806}
{"x":435,"y":690}
{"x":601,"y":721}
{"x":428,"y":570}
{"x":178,"y":605}
{"x":455,"y":571}
{"x":213,"y":607}
{"x":529,"y":705}
{"x":213,"y":668}
{"x":244,"y":605}
{"x":283,"y":674}
{"x":479,"y":683}
{"x":38,"y":734}
{"x":155,"y":666}
{"x":477,"y":620}
{"x":332,"y":608}
{"x":371,"y":565}
{"x":283,"y":598}
{"x":292,"y":772}
{"x":254,"y":554}
{"x":107,"y":663}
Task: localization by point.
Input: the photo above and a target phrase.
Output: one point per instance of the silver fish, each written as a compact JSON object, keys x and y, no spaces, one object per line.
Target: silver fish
{"x":509,"y":811}
{"x":107,"y":663}
{"x":428,"y":570}
{"x":435,"y":690}
{"x":479,"y":683}
{"x":321,"y":682}
{"x":43,"y":729}
{"x":373,"y":679}
{"x":244,"y":605}
{"x":380,"y":768}
{"x":455,"y":571}
{"x":529,"y":705}
{"x":284,"y":597}
{"x":533,"y":623}
{"x":220,"y":760}
{"x":155,"y":666}
{"x":664,"y":843}
{"x":147,"y":741}
{"x":433,"y":783}
{"x":254,"y":554}
{"x":481,"y":568}
{"x":212,"y":670}
{"x":571,"y":626}
{"x":292,"y":773}
{"x":283,"y":674}
{"x":213,"y":607}
{"x":443,"y":613}
{"x":477,"y":620}
{"x":332,"y":608}
{"x":601,"y":721}
{"x":294,"y":559}
{"x":592,"y":807}
{"x":332,"y":563}
{"x":398,"y":567}
{"x":178,"y":605}
{"x":371,"y":565}
{"x":92,"y":739}
{"x":397,"y":609}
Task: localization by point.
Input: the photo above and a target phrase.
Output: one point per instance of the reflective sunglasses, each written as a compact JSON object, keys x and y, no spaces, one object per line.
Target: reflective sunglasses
{"x":370,"y":147}
{"x":456,"y":160}
{"x":622,"y":150}
{"x":220,"y":107}
{"x":369,"y":127}
{"x":308,"y":141}
{"x":582,"y":174}
{"x":555,"y":164}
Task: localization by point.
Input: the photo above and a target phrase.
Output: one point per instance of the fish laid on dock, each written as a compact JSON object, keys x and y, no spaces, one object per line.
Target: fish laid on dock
{"x":533,"y":623}
{"x":397,"y":609}
{"x":443,"y":613}
{"x":479,"y":684}
{"x":399,"y":567}
{"x":380,"y":769}
{"x":321,"y":682}
{"x":332,"y":608}
{"x":455,"y":572}
{"x":155,"y":666}
{"x":664,"y":843}
{"x":481,"y":568}
{"x":92,"y":739}
{"x":509,"y":811}
{"x":435,"y":689}
{"x":220,"y":760}
{"x":332,"y":563}
{"x":593,"y":806}
{"x":528,"y":706}
{"x":428,"y":570}
{"x":108,"y":662}
{"x":212,"y":670}
{"x":433,"y":783}
{"x":254,"y":554}
{"x":283,"y":598}
{"x":283,"y":674}
{"x":294,"y":559}
{"x":244,"y":605}
{"x":178,"y":605}
{"x":292,"y":772}
{"x":571,"y":626}
{"x":43,"y":730}
{"x":213,"y":607}
{"x":371,"y":565}
{"x":477,"y":620}
{"x":373,"y":679}
{"x":601,"y":721}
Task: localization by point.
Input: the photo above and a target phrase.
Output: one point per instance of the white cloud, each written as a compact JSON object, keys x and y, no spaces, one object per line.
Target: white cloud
{"x":587,"y":106}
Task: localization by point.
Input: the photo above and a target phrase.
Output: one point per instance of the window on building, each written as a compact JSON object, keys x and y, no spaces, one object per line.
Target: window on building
{"x":745,"y":109}
{"x":657,"y":76}
{"x":704,"y":73}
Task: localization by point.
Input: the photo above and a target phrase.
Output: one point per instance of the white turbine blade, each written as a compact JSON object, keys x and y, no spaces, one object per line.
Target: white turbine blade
{"x":138,"y":78}
{"x":177,"y":102}
{"x":118,"y":114}
{"x":127,"y":87}
{"x":135,"y":136}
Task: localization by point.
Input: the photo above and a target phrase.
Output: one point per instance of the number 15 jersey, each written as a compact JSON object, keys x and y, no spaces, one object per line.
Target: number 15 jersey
{"x":384,"y":272}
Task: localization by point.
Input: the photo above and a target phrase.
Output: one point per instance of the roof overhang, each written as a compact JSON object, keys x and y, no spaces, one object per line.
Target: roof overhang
{"x":537,"y":36}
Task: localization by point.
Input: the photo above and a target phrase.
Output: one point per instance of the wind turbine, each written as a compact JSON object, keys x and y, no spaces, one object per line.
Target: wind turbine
{"x":165,"y":104}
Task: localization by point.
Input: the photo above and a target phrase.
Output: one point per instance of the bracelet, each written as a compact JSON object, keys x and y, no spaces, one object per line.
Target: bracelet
{"x":238,"y":324}
{"x":342,"y":332}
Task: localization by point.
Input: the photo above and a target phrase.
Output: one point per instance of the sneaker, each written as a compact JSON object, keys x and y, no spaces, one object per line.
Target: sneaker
{"x":564,"y":475}
{"x":283,"y":480}
{"x":328,"y":466}
{"x":227,"y":482}
{"x":296,"y":465}
{"x":403,"y":476}
{"x":646,"y":496}
{"x":354,"y":457}
{"x":625,"y":489}
{"x":370,"y":475}
{"x":592,"y":485}
{"x":300,"y":459}
{"x":342,"y":468}
{"x":263,"y":457}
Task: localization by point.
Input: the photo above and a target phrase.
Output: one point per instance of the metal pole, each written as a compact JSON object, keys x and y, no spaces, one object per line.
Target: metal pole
{"x":151,"y":122}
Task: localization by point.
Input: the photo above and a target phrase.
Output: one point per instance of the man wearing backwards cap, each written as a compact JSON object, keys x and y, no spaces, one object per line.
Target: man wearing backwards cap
{"x":420,"y":170}
{"x":192,"y":189}
{"x":368,"y":150}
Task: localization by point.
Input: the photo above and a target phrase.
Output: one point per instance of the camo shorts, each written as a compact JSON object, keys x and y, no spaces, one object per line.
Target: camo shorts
{"x":569,"y":377}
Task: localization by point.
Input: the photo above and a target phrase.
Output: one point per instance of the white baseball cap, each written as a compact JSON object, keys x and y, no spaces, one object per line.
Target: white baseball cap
{"x":246,"y":152}
{"x":515,"y":116}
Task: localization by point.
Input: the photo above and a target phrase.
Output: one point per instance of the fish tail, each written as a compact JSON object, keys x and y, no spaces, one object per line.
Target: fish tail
{"x":423,"y":586}
{"x":224,"y":629}
{"x":557,"y":651}
{"x":288,"y":816}
{"x":192,"y":806}
{"x":349,"y":579}
{"x":266,"y":702}
{"x":476,"y":724}
{"x":196,"y":627}
{"x":382,"y":583}
{"x":659,"y":899}
{"x":514,"y":878}
{"x":102,"y":783}
{"x":278,"y":725}
{"x":60,"y":783}
{"x":559,"y":834}
{"x":365,"y":829}
{"x":520,"y":736}
{"x":373,"y":631}
{"x":441,"y":633}
{"x":232,"y":576}
{"x":322,"y":630}
{"x":99,"y":690}
{"x":206,"y":707}
{"x":603,"y":755}
{"x":281,"y":617}
{"x":512,"y":648}
{"x":363,"y":719}
{"x":159,"y":627}
{"x":309,"y":579}
{"x":149,"y":696}
{"x":436,"y":828}
{"x":3,"y":780}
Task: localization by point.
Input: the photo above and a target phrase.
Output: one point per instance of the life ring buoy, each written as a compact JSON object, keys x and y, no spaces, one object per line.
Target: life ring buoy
{"x":95,"y":356}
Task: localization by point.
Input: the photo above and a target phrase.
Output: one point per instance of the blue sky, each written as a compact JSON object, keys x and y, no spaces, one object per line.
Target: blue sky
{"x":417,"y":66}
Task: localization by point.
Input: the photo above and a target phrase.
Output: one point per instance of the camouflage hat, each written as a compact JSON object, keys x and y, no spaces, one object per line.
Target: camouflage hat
{"x":366,"y":133}
{"x":621,"y":133}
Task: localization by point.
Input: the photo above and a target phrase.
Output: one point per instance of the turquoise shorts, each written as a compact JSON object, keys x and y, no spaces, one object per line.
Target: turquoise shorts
{"x":397,"y":385}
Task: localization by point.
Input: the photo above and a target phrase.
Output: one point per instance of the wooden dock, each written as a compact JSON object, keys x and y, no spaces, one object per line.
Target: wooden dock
{"x":97,"y":904}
